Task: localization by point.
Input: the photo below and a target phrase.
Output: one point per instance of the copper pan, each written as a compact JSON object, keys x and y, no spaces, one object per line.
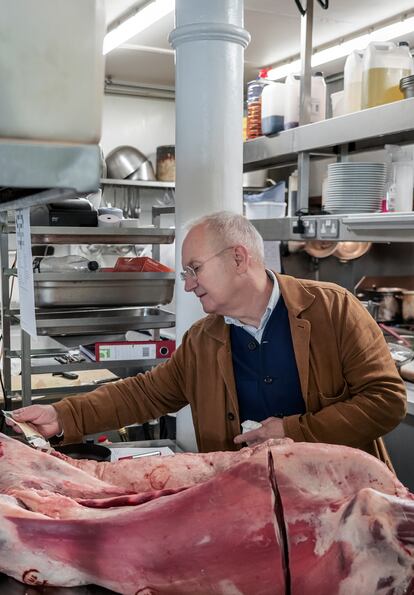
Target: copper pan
{"x":320,"y":248}
{"x":345,"y":251}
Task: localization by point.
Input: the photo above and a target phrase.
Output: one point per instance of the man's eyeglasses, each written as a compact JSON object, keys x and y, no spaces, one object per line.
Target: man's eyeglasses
{"x":193,"y":272}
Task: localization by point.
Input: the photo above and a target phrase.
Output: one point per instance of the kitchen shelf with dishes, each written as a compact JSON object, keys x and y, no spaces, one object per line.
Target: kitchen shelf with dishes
{"x":356,"y":132}
{"x":86,"y":306}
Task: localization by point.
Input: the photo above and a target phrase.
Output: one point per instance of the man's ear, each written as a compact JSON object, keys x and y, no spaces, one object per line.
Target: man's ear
{"x":241,"y":257}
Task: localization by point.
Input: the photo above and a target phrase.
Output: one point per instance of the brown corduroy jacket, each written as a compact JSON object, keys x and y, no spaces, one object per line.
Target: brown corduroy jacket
{"x":350,"y":384}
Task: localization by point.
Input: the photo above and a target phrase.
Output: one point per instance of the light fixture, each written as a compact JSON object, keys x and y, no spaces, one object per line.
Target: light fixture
{"x":386,"y":33}
{"x":134,"y":22}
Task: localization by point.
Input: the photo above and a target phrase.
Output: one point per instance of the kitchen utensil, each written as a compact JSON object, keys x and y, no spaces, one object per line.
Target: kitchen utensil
{"x":388,"y":299}
{"x":320,"y":248}
{"x":345,"y":251}
{"x":94,"y":452}
{"x":122,"y":161}
{"x":407,"y":305}
{"x":145,"y":173}
{"x":407,"y":86}
{"x":29,"y":432}
{"x":393,"y":333}
{"x":103,"y":289}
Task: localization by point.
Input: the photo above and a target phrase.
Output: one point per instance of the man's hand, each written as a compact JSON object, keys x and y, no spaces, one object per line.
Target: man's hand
{"x":43,"y":417}
{"x":272,"y":427}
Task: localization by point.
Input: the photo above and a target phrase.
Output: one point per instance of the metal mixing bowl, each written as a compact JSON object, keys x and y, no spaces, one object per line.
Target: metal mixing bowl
{"x":123,"y":161}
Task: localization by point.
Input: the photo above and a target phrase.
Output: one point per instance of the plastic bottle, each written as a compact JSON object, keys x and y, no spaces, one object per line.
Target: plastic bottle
{"x":400,"y":179}
{"x":384,"y":65}
{"x":273,"y":108}
{"x":60,"y":264}
{"x":292,"y":99}
{"x":292,"y":90}
{"x":318,"y":98}
{"x":293,"y":194}
{"x":254,"y":104}
{"x":353,"y":82}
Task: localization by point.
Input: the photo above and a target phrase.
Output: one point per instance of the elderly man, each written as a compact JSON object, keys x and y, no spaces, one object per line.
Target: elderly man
{"x":303,"y":358}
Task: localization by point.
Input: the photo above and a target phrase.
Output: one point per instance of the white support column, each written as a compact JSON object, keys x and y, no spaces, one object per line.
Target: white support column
{"x":209,"y":40}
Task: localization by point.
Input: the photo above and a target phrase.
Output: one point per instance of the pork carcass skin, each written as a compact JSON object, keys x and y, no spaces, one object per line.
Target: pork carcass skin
{"x":280,"y":518}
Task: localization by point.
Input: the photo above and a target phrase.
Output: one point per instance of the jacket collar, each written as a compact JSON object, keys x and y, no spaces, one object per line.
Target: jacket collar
{"x":297,"y":299}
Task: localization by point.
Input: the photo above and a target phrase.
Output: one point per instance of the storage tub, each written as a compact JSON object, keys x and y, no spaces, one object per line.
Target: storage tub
{"x":265,"y":210}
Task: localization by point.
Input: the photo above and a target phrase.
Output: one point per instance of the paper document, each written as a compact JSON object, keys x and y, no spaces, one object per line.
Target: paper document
{"x":25,"y":272}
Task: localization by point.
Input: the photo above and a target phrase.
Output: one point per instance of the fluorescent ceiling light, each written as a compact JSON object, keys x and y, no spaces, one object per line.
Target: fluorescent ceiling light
{"x":137,"y":22}
{"x":342,"y":50}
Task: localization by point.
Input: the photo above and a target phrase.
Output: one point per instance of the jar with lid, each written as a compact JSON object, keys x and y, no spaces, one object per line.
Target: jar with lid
{"x":166,"y":163}
{"x":254,"y":105}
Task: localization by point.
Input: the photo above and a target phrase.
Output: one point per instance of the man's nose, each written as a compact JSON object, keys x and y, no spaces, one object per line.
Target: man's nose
{"x":190,"y":283}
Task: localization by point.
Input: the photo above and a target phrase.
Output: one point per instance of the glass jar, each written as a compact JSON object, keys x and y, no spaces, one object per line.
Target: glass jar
{"x":166,"y":163}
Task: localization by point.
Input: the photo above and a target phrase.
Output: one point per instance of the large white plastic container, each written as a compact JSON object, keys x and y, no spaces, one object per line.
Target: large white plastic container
{"x":52,"y":69}
{"x":273,"y":108}
{"x":292,"y":97}
{"x":318,"y":98}
{"x":292,"y":100}
{"x":353,"y":82}
{"x":384,"y":65}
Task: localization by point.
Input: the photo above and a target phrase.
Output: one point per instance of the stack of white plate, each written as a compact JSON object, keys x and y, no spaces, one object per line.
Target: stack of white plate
{"x":355,"y":187}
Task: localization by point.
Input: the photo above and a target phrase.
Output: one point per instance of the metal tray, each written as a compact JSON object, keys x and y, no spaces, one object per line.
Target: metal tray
{"x":54,"y":290}
{"x":88,"y":321}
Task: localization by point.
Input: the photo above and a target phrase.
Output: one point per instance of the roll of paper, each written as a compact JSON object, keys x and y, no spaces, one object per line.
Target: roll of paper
{"x":108,"y":221}
{"x":111,"y":211}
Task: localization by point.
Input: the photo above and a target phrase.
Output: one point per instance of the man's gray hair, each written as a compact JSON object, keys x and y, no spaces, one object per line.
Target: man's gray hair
{"x":228,"y":228}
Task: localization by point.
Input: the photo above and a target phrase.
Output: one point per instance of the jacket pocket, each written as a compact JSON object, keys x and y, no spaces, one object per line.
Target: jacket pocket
{"x":327,"y":399}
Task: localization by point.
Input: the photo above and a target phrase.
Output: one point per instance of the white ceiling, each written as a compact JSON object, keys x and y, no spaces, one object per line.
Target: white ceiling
{"x":274,"y":26}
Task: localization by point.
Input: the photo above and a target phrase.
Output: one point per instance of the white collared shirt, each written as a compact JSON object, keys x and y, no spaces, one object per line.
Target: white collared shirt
{"x":257,"y":333}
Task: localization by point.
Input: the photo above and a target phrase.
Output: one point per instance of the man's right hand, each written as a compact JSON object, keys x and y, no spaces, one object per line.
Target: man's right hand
{"x":43,"y":417}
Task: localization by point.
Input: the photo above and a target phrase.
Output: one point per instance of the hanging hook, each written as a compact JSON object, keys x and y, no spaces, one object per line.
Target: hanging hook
{"x":300,"y":8}
{"x":323,"y":3}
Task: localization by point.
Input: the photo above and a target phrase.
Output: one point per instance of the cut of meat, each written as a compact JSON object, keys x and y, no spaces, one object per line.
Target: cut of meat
{"x":279,"y":518}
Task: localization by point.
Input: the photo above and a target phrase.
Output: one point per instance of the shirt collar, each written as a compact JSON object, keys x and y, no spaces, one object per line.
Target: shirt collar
{"x":274,"y":296}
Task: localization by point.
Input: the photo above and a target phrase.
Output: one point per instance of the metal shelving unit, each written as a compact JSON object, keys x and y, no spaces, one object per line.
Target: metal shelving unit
{"x":136,"y":183}
{"x":368,"y":227}
{"x":35,"y":173}
{"x":89,"y":321}
{"x":365,"y":130}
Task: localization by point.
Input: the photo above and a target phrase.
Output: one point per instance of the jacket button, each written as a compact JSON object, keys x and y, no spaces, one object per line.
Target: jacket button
{"x":251,"y":345}
{"x":268,"y":379}
{"x":230,"y":416}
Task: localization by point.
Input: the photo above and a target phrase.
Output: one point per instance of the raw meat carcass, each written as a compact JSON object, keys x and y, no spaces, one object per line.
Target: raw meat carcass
{"x":279,"y":518}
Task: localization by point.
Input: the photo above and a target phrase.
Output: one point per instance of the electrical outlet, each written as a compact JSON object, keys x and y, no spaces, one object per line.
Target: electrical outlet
{"x":329,"y":228}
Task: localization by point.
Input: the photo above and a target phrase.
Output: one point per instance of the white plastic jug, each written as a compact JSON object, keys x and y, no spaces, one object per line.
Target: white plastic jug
{"x":273,"y":108}
{"x":384,"y":65}
{"x":52,"y":69}
{"x":292,"y":99}
{"x":318,"y":98}
{"x":353,"y":82}
{"x":292,"y":91}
